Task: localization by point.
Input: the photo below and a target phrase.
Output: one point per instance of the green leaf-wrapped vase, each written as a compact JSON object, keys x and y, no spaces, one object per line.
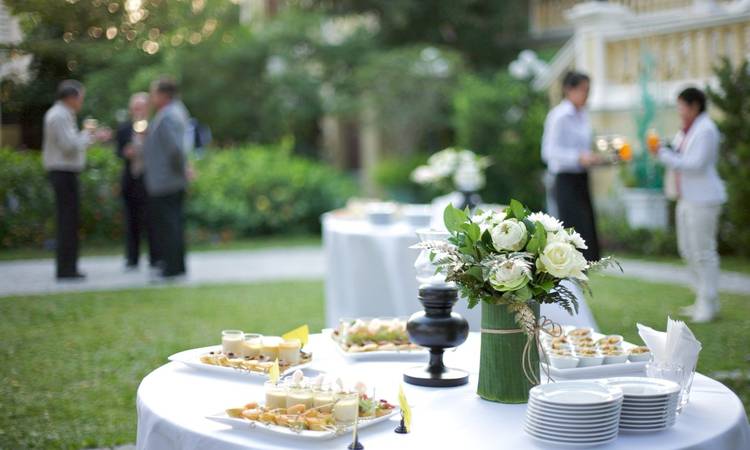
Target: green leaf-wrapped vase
{"x":501,"y":375}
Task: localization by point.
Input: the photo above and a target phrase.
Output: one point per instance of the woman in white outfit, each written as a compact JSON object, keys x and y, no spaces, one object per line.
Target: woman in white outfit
{"x":693,"y":180}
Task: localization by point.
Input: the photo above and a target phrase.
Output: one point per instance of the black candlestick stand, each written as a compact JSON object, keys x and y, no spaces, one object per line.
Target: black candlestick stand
{"x":437,"y":328}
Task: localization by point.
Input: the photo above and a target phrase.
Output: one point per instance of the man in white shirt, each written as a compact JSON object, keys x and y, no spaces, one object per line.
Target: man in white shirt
{"x":699,"y":191}
{"x":566,"y":149}
{"x":64,"y":157}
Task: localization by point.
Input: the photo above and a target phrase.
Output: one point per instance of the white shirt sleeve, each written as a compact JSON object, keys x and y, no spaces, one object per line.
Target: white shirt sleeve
{"x":67,"y":137}
{"x":696,"y":157}
{"x":555,"y":152}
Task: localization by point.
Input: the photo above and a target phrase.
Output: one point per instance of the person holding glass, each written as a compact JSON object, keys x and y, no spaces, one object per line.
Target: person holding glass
{"x":566,"y":149}
{"x":64,"y":157}
{"x":694,"y":181}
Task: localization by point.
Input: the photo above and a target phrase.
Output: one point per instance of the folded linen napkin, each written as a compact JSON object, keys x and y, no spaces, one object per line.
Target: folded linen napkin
{"x":677,"y":345}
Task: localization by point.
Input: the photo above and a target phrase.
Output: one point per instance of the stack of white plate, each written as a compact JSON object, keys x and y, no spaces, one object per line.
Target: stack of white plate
{"x":650,"y":404}
{"x":574,"y":413}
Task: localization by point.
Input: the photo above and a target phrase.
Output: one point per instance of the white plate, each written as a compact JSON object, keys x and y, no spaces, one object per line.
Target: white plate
{"x":593,"y":425}
{"x":304,"y":434}
{"x":565,"y":422}
{"x":663,"y":415}
{"x":649,"y":410}
{"x":192,"y":358}
{"x":644,"y":430}
{"x":575,"y":417}
{"x":573,"y":434}
{"x":577,"y":443}
{"x":651,"y":401}
{"x":542,"y":424}
{"x":642,"y":387}
{"x":577,"y":393}
{"x":563,"y":410}
{"x":648,"y":423}
{"x":378,"y":355}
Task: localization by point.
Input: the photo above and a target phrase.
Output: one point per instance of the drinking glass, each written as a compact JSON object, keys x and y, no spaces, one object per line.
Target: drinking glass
{"x":673,"y":372}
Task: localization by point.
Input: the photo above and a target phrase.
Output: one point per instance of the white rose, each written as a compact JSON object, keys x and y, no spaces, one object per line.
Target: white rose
{"x":510,"y":275}
{"x":562,"y":260}
{"x":510,"y":234}
{"x":549,"y":223}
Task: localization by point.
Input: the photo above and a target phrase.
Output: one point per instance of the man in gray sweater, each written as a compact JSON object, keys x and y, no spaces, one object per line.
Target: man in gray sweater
{"x":64,"y":157}
{"x":165,"y":164}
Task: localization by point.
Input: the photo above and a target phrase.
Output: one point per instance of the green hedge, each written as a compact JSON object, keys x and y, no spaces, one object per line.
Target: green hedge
{"x":263,"y":190}
{"x":238,"y":192}
{"x":26,"y":199}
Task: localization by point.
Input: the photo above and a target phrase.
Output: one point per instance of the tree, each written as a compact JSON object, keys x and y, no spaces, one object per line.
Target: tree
{"x":504,"y":118}
{"x":486,"y":33}
{"x":732,"y":97}
{"x":105,"y":40}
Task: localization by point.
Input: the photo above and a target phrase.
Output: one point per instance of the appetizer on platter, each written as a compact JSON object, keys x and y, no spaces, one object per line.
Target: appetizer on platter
{"x":315,"y":405}
{"x":372,"y":335}
{"x":256,"y":353}
{"x":582,"y":347}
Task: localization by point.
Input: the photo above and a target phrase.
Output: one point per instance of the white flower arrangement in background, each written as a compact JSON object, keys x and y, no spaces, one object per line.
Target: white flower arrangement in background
{"x":461,"y":168}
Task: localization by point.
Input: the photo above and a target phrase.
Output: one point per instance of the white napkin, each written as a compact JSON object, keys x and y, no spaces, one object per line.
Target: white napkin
{"x":677,"y":346}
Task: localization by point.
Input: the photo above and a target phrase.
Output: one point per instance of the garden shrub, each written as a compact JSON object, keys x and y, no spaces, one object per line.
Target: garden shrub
{"x":263,"y":190}
{"x":616,"y":236}
{"x":239,"y":192}
{"x":26,"y":199}
{"x":503,"y":118}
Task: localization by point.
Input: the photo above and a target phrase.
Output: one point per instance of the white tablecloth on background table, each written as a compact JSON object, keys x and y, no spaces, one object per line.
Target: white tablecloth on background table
{"x":370,"y":273}
{"x":173,"y":401}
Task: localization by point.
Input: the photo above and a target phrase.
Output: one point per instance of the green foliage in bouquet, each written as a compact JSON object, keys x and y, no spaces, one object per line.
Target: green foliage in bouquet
{"x":512,"y":258}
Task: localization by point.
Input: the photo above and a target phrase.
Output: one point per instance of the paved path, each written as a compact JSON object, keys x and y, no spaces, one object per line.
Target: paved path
{"x":729,"y":282}
{"x":31,"y":277}
{"x":28,"y":277}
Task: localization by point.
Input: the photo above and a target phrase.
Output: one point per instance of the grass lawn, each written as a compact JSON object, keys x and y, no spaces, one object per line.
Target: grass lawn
{"x":109,"y":249}
{"x":72,"y":362}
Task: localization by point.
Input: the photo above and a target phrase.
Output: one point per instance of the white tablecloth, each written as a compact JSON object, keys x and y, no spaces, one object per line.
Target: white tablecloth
{"x":173,"y":401}
{"x":370,"y":273}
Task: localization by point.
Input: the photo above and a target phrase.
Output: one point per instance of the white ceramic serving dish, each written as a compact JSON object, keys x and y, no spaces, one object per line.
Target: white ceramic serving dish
{"x":418,"y":216}
{"x":563,"y":362}
{"x":616,"y":359}
{"x":640,"y":358}
{"x":417,"y":354}
{"x":303,"y":434}
{"x":191,"y":358}
{"x":598,"y":367}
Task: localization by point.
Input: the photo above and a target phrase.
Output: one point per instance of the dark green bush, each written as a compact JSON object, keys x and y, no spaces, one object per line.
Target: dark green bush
{"x":504,"y":118}
{"x":262,"y":190}
{"x":26,"y":199}
{"x":732,"y":97}
{"x":616,"y":236}
{"x":247,"y":191}
{"x":392,"y":176}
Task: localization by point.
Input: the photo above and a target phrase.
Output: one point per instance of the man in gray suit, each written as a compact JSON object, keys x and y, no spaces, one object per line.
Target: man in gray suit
{"x":165,"y":172}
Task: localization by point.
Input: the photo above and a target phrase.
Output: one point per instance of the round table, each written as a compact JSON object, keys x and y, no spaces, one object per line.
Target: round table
{"x":370,"y":273}
{"x":173,"y":401}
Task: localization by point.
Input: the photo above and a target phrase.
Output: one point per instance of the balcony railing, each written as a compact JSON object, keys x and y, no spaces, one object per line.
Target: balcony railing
{"x":684,"y":55}
{"x":548,"y":16}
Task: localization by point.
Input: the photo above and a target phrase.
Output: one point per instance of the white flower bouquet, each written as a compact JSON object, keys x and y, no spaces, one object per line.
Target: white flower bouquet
{"x":511,"y":262}
{"x":460,"y":168}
